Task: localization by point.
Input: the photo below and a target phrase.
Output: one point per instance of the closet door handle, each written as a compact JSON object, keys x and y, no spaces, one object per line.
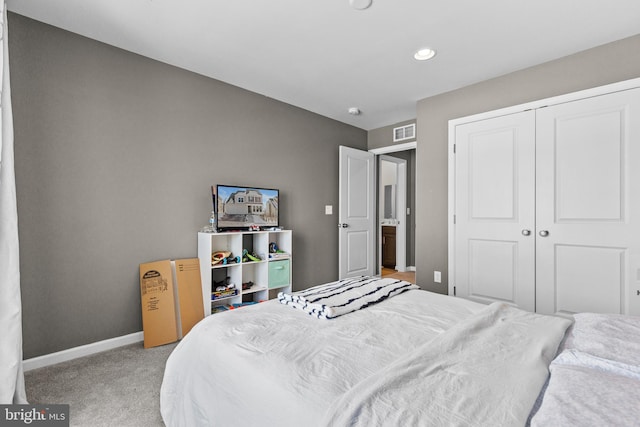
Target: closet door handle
{"x":526,"y":232}
{"x":543,"y":233}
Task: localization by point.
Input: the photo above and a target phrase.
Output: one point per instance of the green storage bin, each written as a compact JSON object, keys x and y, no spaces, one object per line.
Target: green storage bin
{"x":279,"y":273}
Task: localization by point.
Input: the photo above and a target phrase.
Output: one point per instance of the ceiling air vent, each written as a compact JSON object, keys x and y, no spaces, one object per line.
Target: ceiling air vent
{"x":404,"y":132}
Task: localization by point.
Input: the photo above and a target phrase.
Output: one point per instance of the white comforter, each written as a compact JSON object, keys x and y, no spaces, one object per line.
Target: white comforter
{"x":485,"y":371}
{"x":269,"y":365}
{"x":595,"y":381}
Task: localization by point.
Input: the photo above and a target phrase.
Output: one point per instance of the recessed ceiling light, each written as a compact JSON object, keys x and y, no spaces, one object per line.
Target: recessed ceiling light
{"x":360,"y":4}
{"x":424,"y":54}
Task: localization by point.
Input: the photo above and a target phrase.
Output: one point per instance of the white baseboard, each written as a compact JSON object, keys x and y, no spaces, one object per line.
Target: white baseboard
{"x":81,"y":351}
{"x":408,"y":268}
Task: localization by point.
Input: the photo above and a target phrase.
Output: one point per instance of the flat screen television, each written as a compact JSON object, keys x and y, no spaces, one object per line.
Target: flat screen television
{"x":241,"y":208}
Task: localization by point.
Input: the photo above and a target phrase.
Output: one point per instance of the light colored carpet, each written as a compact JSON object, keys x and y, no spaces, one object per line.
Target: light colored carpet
{"x":119,"y":387}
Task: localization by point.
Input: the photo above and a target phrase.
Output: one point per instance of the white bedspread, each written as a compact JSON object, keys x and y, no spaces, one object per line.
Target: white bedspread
{"x":266,"y":365}
{"x":485,"y":371}
{"x":609,"y":336}
{"x":595,"y":381}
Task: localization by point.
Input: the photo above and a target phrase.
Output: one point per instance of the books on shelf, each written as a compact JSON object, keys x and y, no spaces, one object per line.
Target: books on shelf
{"x":224,"y":294}
{"x":227,"y":307}
{"x":277,"y":255}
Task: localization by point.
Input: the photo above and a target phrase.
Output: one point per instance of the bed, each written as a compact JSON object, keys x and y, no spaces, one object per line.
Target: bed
{"x":417,"y":358}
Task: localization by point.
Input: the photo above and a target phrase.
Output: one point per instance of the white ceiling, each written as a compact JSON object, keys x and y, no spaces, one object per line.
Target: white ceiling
{"x":324,"y":56}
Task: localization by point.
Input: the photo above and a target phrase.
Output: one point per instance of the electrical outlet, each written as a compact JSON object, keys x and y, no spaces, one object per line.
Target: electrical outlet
{"x":437,"y":277}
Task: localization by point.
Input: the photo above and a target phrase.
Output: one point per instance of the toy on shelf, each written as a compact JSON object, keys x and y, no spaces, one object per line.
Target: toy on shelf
{"x":242,"y":304}
{"x":223,"y":289}
{"x":219,"y":256}
{"x":231,"y":260}
{"x":224,"y":294}
{"x":274,"y":252}
{"x":224,"y":285}
{"x":246,"y":256}
{"x":224,"y":258}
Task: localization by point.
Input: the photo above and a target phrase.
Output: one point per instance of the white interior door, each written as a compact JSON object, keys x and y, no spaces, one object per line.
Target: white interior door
{"x":356,"y":213}
{"x":588,"y":205}
{"x":495,"y":210}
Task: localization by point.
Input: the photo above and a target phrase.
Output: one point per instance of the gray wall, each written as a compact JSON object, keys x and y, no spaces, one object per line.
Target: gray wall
{"x":383,"y":137}
{"x":115,"y":154}
{"x":595,"y":67}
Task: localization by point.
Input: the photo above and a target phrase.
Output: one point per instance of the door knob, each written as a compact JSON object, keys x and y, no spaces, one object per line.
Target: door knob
{"x":343,"y":225}
{"x":526,"y":232}
{"x":543,"y":233}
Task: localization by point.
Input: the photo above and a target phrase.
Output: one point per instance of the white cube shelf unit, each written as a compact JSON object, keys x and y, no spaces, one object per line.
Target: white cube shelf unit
{"x":266,"y":283}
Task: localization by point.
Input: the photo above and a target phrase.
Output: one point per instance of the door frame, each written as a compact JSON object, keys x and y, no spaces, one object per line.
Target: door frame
{"x":574,"y":96}
{"x":401,"y":213}
{"x":401,"y":241}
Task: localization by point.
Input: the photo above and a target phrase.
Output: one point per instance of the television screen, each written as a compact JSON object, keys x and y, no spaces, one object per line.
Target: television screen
{"x":240,"y":208}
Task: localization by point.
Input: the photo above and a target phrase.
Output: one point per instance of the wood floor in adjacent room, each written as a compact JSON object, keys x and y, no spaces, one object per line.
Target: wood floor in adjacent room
{"x":409,"y":276}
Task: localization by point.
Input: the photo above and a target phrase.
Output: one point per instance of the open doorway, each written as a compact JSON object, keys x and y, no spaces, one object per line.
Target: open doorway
{"x":396,"y":209}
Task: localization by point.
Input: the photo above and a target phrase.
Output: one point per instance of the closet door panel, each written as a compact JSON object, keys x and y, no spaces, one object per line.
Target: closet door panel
{"x":494,"y":204}
{"x":492,"y":269}
{"x":588,"y":157}
{"x":589,"y":279}
{"x":588,"y":205}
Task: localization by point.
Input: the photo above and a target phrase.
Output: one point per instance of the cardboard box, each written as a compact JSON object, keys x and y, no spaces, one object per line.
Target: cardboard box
{"x":190,"y":307}
{"x":158,"y":303}
{"x":171,"y":297}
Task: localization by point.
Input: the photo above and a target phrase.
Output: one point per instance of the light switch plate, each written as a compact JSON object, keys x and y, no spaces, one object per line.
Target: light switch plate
{"x":437,"y":277}
{"x":328,"y":210}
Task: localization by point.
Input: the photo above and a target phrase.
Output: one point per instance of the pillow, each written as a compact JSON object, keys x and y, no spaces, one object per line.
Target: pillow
{"x":610,"y":336}
{"x":584,"y":390}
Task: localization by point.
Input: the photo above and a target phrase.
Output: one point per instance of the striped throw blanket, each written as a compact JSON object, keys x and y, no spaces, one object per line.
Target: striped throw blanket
{"x":334,"y":299}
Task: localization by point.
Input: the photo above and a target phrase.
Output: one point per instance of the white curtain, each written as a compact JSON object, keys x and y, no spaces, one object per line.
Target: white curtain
{"x":11,"y":373}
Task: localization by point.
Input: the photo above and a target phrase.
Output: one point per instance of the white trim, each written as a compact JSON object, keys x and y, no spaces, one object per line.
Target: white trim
{"x":81,"y":351}
{"x":401,"y":213}
{"x":395,"y":148}
{"x":451,"y":167}
{"x":560,"y":99}
{"x":411,"y":268}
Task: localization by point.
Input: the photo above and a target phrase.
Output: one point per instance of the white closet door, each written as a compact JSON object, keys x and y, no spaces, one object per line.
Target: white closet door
{"x":494,"y":208}
{"x":588,"y":205}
